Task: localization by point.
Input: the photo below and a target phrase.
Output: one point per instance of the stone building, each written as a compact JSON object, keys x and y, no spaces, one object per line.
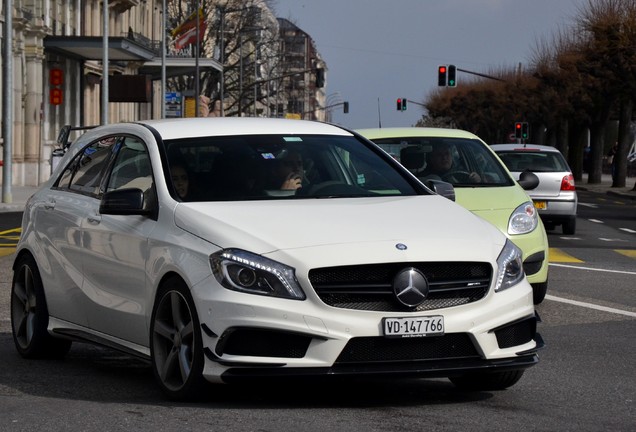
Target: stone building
{"x":59,"y":66}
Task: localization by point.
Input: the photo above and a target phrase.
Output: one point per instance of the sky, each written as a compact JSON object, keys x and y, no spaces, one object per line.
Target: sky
{"x":377,"y":51}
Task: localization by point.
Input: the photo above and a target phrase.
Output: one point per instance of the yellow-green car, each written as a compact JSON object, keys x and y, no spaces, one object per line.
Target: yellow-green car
{"x":482,"y":184}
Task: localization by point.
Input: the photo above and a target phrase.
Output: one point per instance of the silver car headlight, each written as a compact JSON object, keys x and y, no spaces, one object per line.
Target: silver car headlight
{"x":243,"y":271}
{"x":509,"y":267}
{"x":523,"y":219}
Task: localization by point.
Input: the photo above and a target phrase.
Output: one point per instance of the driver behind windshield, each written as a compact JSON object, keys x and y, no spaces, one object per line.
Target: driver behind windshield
{"x":440,"y":164}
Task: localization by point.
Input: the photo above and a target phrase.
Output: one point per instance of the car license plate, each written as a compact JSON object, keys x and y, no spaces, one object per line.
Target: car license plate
{"x":414,"y":327}
{"x":541,"y":205}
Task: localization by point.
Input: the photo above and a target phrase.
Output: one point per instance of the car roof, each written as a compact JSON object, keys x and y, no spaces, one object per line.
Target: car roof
{"x":174,"y":128}
{"x":218,"y":126}
{"x":391,"y":132}
{"x":524,"y":147}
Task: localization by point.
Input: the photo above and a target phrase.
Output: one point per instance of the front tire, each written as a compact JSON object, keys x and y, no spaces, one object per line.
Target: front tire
{"x":539,"y":290}
{"x":486,"y":381}
{"x":30,"y":315}
{"x":176,"y":346}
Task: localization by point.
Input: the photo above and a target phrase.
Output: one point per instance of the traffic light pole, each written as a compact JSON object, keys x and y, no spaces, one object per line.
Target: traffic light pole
{"x":416,"y":103}
{"x":480,"y":74}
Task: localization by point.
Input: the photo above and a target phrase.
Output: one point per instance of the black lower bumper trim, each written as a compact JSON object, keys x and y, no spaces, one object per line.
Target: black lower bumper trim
{"x":422,"y":369}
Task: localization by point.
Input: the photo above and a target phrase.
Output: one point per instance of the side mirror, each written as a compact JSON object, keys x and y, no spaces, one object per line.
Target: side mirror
{"x":528,"y":180}
{"x":443,"y":188}
{"x":128,"y":201}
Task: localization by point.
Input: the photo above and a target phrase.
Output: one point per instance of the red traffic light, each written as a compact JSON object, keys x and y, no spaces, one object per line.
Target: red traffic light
{"x":442,"y":71}
{"x":399,"y":104}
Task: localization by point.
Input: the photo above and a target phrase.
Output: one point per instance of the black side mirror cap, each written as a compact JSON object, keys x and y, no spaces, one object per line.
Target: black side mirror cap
{"x":528,"y":180}
{"x":129,"y":201}
{"x":442,"y":188}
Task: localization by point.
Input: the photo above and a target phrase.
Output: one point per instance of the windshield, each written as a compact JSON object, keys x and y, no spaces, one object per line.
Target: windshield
{"x":460,"y":161}
{"x":280,"y":167}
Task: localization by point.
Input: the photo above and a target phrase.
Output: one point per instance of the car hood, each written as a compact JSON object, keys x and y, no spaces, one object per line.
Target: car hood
{"x":431,"y":227}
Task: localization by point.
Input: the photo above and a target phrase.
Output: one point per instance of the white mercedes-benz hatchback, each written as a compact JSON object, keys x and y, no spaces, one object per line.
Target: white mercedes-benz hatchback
{"x":229,"y":249}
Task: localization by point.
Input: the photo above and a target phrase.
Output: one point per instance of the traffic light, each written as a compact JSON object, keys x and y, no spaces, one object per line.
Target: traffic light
{"x":525,"y":130}
{"x":345,"y":107}
{"x":441,"y":75}
{"x":452,"y":76}
{"x":320,"y":78}
{"x":403,"y":104}
{"x":399,"y":104}
{"x":518,"y":127}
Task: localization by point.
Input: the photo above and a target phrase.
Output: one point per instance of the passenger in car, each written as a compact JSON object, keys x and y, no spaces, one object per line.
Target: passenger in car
{"x":181,"y":180}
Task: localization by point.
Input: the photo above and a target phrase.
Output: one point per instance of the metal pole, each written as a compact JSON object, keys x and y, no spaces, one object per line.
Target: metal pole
{"x":104,"y":115}
{"x":196,"y":60}
{"x":240,"y":101}
{"x":163,"y":59}
{"x":7,"y":102}
{"x":222,"y":58}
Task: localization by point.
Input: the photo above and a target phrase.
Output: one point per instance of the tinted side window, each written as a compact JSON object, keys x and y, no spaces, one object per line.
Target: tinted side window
{"x":85,"y":172}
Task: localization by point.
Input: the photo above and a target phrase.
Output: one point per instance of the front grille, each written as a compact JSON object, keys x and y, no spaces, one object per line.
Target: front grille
{"x":369,"y":287}
{"x":381,"y":349}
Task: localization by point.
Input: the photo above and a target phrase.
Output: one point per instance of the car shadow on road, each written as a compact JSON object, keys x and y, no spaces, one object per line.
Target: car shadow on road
{"x":93,"y":373}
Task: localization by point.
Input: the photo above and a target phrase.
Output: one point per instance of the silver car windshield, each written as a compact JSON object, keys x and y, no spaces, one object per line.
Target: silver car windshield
{"x":281,"y":167}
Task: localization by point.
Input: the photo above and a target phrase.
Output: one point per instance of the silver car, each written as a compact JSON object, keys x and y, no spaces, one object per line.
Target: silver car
{"x":555,"y":198}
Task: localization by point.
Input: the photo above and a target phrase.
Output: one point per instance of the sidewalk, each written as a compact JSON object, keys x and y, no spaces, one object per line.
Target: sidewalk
{"x":605,"y":187}
{"x":20,"y":194}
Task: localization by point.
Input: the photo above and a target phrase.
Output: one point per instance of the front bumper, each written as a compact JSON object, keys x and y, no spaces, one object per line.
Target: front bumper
{"x":268,"y":338}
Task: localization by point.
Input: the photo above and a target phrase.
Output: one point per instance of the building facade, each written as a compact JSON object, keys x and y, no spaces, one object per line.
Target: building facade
{"x":62,"y":74}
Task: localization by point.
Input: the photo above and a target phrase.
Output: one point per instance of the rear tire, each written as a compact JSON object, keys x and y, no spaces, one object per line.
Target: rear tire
{"x":484,"y":381}
{"x":176,"y":346}
{"x":30,"y":315}
{"x":539,"y":291}
{"x":569,"y":226}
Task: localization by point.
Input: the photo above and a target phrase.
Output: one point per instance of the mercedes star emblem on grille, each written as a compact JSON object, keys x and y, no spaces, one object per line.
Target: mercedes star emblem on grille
{"x":410,"y":287}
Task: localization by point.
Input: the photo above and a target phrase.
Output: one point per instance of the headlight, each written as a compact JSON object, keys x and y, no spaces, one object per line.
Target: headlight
{"x":523,"y":219}
{"x":509,"y":267}
{"x":246,"y":272}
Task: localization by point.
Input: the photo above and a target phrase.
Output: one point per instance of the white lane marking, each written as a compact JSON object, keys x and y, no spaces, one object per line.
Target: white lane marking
{"x":591,"y":306}
{"x":595,"y":221}
{"x":570,"y":238}
{"x":593,"y":269}
{"x":611,"y":240}
{"x":628,"y":230}
{"x":588,"y":205}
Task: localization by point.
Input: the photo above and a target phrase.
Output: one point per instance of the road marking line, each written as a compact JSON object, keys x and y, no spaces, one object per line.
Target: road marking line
{"x":557,"y":255}
{"x":628,"y":230}
{"x":591,"y":306}
{"x":593,"y":269}
{"x":595,"y":221}
{"x":611,"y":239}
{"x":588,"y":205}
{"x":627,"y":252}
